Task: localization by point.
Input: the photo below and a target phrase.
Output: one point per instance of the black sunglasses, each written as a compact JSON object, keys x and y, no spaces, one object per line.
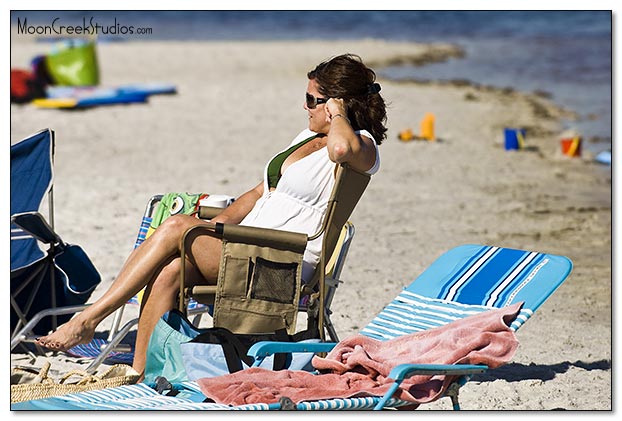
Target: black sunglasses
{"x":313,"y":102}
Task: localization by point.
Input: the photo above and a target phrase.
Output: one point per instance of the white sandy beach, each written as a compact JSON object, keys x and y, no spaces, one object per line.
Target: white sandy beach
{"x":240,"y":102}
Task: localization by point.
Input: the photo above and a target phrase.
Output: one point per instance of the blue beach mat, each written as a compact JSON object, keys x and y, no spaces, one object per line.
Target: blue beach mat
{"x":70,"y":97}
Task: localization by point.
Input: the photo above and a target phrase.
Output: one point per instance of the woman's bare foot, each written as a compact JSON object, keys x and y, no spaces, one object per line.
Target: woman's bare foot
{"x":72,"y":333}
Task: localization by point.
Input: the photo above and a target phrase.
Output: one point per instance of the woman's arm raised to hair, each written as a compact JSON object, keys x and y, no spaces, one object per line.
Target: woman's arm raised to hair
{"x":234,"y":213}
{"x":343,"y":144}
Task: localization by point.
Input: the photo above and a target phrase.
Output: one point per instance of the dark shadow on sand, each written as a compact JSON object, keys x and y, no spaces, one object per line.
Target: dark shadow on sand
{"x":515,"y":372}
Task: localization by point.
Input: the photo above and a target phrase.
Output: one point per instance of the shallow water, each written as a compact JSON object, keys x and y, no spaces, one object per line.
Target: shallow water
{"x":564,"y":53}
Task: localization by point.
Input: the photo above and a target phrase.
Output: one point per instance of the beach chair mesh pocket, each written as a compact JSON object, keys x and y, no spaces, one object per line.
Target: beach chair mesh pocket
{"x":273,"y":281}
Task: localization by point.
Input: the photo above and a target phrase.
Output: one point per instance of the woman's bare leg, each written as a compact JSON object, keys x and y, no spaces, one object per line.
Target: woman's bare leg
{"x":141,"y":267}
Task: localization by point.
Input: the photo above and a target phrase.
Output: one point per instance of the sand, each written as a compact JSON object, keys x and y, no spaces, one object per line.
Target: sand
{"x":239,"y":102}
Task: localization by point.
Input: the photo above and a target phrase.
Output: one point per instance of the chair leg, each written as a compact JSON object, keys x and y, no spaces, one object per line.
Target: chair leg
{"x":22,"y":317}
{"x":116,"y":322}
{"x":36,"y":279}
{"x":328,"y":325}
{"x":332,"y":285}
{"x":53,"y":291}
{"x":197,"y":319}
{"x":29,"y":352}
{"x":111,"y":345}
{"x":452,"y":393}
{"x":312,"y":313}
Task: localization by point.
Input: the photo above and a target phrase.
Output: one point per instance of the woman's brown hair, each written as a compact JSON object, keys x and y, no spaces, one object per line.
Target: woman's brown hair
{"x":346,"y":77}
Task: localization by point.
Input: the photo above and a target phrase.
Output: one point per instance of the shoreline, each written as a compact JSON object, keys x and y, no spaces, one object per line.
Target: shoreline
{"x":429,"y":53}
{"x":427,"y":197}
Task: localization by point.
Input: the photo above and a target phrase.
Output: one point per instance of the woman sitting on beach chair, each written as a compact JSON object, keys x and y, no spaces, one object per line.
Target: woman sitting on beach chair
{"x":346,"y":125}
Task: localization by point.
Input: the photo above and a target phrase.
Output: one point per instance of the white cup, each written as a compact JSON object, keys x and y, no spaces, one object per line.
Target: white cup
{"x":216,"y":201}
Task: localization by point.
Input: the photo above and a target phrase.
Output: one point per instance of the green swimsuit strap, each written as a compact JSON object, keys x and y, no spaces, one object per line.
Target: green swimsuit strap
{"x":274,"y":167}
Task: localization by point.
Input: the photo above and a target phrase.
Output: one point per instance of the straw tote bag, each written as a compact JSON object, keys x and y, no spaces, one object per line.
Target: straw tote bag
{"x":30,"y":385}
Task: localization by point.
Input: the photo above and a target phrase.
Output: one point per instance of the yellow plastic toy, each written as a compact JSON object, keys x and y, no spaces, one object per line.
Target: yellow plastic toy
{"x":427,"y":127}
{"x":406,"y":135}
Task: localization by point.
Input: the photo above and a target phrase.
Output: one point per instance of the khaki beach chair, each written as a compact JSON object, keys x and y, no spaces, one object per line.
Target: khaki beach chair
{"x":338,"y":234}
{"x":259,"y":286}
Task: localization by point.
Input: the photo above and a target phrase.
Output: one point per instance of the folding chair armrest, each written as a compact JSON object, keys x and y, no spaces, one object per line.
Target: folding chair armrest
{"x":264,"y":237}
{"x":35,"y":224}
{"x":263,"y":349}
{"x":209,"y":212}
{"x":404,"y":371}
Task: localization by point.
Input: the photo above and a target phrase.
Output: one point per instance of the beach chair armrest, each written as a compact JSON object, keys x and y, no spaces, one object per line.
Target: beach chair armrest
{"x":261,"y":350}
{"x":403,"y":371}
{"x":209,"y":212}
{"x":35,"y":224}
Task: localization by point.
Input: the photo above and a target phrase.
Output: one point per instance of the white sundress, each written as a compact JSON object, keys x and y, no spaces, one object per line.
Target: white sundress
{"x":297,"y":204}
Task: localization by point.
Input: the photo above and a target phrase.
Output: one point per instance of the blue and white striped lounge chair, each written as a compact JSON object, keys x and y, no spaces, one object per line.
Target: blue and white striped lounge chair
{"x":465,"y":280}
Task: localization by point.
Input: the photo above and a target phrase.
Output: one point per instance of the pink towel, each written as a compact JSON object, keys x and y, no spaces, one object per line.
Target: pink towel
{"x":359,"y":365}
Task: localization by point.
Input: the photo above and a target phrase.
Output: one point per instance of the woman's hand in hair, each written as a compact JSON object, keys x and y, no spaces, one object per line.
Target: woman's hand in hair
{"x":335,"y":106}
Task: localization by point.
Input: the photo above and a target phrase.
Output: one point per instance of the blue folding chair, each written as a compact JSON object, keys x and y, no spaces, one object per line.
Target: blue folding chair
{"x":47,"y":285}
{"x":465,"y":280}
